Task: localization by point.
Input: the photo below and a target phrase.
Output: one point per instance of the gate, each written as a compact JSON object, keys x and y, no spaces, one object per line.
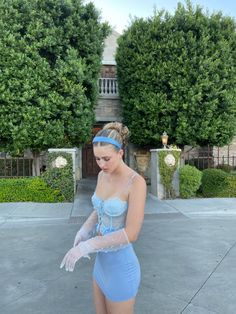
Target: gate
{"x":15,"y":167}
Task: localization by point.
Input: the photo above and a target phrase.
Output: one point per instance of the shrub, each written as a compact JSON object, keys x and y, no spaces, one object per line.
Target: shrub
{"x":60,"y":178}
{"x":214,"y":183}
{"x":231,"y":180}
{"x":201,"y":163}
{"x":226,"y":168}
{"x":28,"y":190}
{"x":190,"y":181}
{"x":167,"y":171}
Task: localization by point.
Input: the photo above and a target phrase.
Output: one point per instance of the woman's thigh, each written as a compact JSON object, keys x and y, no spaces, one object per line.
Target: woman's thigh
{"x":125,"y":307}
{"x":99,"y":299}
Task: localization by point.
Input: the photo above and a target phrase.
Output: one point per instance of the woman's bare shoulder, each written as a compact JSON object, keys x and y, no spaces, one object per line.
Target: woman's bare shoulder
{"x":138,"y":182}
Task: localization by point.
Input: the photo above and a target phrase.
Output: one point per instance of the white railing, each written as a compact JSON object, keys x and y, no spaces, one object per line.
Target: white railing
{"x":108,"y":87}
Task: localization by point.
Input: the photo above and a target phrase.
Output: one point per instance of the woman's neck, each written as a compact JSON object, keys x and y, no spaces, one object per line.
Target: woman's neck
{"x":120,"y":171}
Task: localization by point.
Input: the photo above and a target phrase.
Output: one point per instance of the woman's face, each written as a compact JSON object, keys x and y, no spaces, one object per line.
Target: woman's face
{"x":107,"y":157}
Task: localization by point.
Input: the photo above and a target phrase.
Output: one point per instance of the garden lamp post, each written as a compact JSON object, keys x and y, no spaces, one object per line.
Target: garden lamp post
{"x":164,"y":139}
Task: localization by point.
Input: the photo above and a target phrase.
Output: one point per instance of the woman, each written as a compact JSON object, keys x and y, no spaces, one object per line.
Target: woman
{"x":118,"y":202}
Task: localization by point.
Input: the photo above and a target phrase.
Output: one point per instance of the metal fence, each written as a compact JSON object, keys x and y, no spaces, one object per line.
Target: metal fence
{"x":15,"y":167}
{"x":210,"y":159}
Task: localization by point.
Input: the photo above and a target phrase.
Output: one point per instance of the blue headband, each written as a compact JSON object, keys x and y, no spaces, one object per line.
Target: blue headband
{"x":109,"y":140}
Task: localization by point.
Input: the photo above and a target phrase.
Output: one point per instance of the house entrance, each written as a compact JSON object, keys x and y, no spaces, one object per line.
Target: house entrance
{"x":89,"y":164}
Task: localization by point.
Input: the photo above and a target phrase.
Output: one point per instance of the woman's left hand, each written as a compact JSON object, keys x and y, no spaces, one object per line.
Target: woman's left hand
{"x":71,"y":257}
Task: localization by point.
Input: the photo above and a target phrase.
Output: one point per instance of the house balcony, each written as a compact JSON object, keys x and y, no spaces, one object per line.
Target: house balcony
{"x":108,"y":106}
{"x":108,"y":88}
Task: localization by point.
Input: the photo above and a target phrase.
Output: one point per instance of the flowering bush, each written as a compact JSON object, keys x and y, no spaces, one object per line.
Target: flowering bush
{"x":170,"y":160}
{"x":59,"y":174}
{"x":60,"y":162}
{"x":168,"y":164}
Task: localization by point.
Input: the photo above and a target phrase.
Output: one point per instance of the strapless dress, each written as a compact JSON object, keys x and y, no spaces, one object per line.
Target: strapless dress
{"x":116,"y":272}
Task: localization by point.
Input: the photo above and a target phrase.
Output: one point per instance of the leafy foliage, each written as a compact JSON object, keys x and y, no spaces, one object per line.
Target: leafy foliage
{"x":177,"y":73}
{"x":214,"y":183}
{"x":189,"y":181}
{"x":167,"y":171}
{"x":231,"y":180}
{"x":28,"y":190}
{"x":226,"y":168}
{"x":60,"y":178}
{"x":50,"y":55}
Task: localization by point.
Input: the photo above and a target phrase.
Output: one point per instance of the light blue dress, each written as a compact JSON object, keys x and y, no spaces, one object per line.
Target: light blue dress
{"x":116,"y":272}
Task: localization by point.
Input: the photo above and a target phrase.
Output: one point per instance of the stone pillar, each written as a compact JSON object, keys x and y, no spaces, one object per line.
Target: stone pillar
{"x":157,"y":188}
{"x":76,"y":159}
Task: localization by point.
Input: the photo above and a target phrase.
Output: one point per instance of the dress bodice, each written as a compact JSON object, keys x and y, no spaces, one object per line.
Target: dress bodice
{"x":111,"y":212}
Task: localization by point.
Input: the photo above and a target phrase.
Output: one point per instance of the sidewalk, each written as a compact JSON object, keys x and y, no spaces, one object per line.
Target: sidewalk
{"x":35,"y":212}
{"x":81,"y":208}
{"x":186,"y":249}
{"x":200,"y":207}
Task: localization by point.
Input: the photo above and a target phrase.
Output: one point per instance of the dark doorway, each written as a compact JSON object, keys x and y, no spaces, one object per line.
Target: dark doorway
{"x":89,"y":164}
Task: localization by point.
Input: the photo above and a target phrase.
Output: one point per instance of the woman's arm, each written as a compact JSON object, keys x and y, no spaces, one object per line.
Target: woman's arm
{"x":86,"y":231}
{"x":135,"y":214}
{"x":117,"y":238}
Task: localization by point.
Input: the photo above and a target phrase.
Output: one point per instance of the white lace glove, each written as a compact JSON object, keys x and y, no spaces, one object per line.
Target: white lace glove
{"x":111,"y":241}
{"x":84,"y":232}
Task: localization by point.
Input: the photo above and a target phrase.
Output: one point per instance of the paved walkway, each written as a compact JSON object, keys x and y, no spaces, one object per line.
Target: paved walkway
{"x":187,"y":252}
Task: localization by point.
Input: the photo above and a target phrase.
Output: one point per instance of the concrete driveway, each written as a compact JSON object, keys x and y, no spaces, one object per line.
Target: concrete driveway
{"x":187,"y":257}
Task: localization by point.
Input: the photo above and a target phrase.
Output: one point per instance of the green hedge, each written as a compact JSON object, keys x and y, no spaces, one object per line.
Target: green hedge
{"x":28,"y":190}
{"x":60,"y":178}
{"x":167,"y":171}
{"x":231,"y":180}
{"x":226,"y":168}
{"x":218,"y":183}
{"x":190,"y":181}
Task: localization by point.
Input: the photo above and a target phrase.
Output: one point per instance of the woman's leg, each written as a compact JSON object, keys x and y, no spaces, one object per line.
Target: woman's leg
{"x":125,"y":307}
{"x":99,"y":299}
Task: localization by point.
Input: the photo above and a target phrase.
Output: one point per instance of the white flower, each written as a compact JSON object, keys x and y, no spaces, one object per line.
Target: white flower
{"x":60,"y":162}
{"x":169,"y":160}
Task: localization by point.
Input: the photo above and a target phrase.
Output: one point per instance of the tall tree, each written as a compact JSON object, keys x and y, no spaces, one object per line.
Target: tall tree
{"x":50,"y":56}
{"x":177,"y":73}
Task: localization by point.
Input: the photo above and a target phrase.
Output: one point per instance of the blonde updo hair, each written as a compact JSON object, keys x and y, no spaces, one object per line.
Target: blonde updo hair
{"x":115,"y":130}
